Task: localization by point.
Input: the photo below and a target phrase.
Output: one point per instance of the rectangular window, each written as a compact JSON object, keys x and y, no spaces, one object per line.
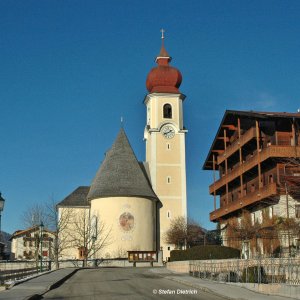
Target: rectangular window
{"x":297,"y":242}
{"x":297,"y":211}
{"x":82,"y":252}
{"x":168,"y":179}
{"x":148,"y":115}
{"x":259,"y":217}
{"x":270,"y":212}
{"x":252,"y":218}
{"x":168,"y":146}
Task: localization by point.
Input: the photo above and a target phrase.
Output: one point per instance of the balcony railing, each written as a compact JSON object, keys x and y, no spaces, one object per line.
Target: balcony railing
{"x":256,"y":196}
{"x":244,"y":139}
{"x":264,"y":154}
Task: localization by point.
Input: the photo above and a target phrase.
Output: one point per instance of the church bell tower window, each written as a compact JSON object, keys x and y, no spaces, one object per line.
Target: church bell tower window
{"x":169,"y":214}
{"x":167,"y":111}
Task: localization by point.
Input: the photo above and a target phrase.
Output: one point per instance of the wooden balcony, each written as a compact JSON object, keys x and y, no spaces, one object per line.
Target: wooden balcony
{"x":264,"y":154}
{"x":258,"y":195}
{"x":244,"y":139}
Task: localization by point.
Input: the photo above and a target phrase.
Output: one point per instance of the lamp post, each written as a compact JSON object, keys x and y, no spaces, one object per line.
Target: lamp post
{"x":41,"y":245}
{"x":287,"y":207}
{"x":1,"y":209}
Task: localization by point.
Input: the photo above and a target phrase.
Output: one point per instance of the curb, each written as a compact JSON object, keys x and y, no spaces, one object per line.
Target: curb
{"x":205,"y":289}
{"x":27,"y":279}
{"x":195,"y":286}
{"x":201,"y":288}
{"x":61,"y":281}
{"x":51,"y":286}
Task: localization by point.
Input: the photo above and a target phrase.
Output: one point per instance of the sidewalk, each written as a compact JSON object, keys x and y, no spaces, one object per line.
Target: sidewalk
{"x":226,"y":290}
{"x":32,"y":288}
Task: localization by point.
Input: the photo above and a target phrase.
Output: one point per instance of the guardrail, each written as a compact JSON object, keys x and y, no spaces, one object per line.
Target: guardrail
{"x":15,"y":270}
{"x":260,"y":270}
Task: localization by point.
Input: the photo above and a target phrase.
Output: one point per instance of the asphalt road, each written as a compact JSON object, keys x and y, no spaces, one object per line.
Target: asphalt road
{"x":124,"y":283}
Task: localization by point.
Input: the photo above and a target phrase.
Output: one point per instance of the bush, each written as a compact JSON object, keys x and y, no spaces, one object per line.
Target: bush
{"x":227,"y":277}
{"x":255,"y":275}
{"x":205,"y":252}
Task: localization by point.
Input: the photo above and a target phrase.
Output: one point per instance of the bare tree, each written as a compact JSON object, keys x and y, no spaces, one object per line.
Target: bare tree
{"x":89,"y":234}
{"x":34,"y":215}
{"x":47,"y":214}
{"x":289,"y":180}
{"x":59,"y":219}
{"x":72,"y":228}
{"x":184,"y":232}
{"x":238,"y":232}
{"x":252,"y":231}
{"x":177,"y":232}
{"x":196,"y":235}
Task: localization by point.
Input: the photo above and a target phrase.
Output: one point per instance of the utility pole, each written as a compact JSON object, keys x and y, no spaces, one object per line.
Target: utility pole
{"x":41,"y":243}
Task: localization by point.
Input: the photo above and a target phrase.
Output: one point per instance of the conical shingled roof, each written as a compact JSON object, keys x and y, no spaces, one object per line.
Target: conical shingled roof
{"x":120,"y":174}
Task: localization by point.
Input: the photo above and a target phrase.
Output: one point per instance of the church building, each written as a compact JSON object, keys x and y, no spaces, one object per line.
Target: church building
{"x":136,"y":201}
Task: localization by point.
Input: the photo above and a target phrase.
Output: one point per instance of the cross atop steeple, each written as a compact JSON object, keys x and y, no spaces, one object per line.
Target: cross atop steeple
{"x":163,"y":54}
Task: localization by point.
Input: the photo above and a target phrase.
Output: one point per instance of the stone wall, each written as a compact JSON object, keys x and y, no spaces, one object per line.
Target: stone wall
{"x":179,"y":266}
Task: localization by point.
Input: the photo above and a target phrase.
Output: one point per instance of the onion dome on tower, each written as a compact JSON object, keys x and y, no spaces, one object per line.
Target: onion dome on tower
{"x":163,"y":78}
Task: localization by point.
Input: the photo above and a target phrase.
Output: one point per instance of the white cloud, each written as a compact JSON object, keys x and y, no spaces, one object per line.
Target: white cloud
{"x":258,"y":100}
{"x":265,"y":101}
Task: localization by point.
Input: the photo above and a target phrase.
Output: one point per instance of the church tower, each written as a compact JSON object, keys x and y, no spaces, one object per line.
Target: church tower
{"x":165,"y":141}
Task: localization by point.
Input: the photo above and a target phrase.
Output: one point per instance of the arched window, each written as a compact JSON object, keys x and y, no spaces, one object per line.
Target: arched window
{"x":167,"y":111}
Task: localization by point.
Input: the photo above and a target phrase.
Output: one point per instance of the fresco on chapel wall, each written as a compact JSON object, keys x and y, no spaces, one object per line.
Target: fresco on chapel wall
{"x":126,"y":221}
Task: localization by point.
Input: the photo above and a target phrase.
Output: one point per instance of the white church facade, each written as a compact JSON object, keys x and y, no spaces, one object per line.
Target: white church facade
{"x":130,"y":204}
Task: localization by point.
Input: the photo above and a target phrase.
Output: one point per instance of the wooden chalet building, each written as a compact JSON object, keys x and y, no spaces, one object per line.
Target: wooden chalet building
{"x":256,"y":180}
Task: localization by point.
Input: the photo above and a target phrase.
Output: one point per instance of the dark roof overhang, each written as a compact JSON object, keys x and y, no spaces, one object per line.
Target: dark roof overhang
{"x":230,"y":121}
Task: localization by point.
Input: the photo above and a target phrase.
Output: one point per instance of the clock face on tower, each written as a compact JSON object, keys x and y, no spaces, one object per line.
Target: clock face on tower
{"x":168,"y":132}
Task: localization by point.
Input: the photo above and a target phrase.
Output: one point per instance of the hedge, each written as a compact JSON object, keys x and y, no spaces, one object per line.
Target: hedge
{"x":205,"y":252}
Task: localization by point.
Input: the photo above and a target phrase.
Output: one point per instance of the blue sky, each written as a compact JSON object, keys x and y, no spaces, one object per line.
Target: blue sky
{"x":70,"y":69}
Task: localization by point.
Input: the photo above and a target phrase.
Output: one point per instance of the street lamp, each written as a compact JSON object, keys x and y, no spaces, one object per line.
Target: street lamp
{"x":41,"y":241}
{"x":1,"y":209}
{"x":287,"y":206}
